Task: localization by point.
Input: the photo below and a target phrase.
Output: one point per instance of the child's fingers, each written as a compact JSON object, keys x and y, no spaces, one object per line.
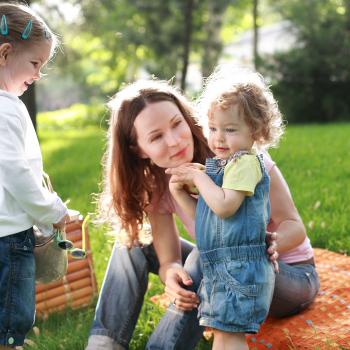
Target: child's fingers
{"x":276,"y":266}
{"x":271,"y":237}
{"x":62,"y":223}
{"x":198,"y":166}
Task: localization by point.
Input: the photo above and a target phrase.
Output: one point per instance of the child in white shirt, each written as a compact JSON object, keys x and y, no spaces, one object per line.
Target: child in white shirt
{"x":26,"y":44}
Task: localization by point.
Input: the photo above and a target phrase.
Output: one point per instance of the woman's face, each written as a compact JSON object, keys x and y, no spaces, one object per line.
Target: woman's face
{"x":163,"y":135}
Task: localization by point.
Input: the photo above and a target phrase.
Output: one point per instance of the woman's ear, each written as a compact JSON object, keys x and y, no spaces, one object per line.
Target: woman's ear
{"x":5,"y":50}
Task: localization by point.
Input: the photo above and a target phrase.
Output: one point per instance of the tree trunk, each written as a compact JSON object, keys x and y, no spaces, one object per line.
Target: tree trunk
{"x":256,"y":57}
{"x":28,"y":99}
{"x":213,"y":45}
{"x":347,"y":6}
{"x":188,"y":14}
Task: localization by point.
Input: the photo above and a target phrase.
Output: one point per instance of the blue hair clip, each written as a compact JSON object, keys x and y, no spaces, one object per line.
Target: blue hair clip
{"x":4,"y":29}
{"x":47,"y":34}
{"x":27,"y":30}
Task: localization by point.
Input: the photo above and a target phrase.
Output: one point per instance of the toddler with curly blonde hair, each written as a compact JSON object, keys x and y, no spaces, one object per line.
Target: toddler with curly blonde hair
{"x":233,"y":209}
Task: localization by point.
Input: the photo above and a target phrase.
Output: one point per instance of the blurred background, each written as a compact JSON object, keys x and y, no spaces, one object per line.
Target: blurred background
{"x":301,"y":47}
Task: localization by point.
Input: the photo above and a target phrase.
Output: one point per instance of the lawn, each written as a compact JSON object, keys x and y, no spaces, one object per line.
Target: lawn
{"x":313,"y":158}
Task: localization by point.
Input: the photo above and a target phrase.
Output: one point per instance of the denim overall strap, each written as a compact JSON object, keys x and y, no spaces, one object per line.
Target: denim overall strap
{"x":262,"y":164}
{"x":214,"y":165}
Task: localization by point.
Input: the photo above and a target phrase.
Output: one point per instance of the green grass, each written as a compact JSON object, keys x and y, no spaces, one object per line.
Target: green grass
{"x":76,"y":116}
{"x":315,"y":162}
{"x":313,"y":159}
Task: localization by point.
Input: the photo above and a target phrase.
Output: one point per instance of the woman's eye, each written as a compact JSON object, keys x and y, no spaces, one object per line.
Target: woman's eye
{"x":212,"y":129}
{"x":230,"y":130}
{"x":176,"y":123}
{"x":156,"y":138}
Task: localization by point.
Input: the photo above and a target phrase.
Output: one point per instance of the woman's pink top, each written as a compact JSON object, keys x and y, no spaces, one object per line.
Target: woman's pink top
{"x":299,"y":253}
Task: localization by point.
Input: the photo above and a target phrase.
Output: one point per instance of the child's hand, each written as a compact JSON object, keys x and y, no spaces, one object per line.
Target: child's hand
{"x":271,"y":241}
{"x":175,"y":185}
{"x":186,"y":173}
{"x":62,"y":223}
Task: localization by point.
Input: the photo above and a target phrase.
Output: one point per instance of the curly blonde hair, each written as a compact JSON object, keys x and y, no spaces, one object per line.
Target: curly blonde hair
{"x":228,"y":86}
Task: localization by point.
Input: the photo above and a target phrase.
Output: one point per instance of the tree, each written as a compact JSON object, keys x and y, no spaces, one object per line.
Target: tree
{"x":28,"y":97}
{"x":312,"y":80}
{"x":29,"y":100}
{"x":168,"y":41}
{"x":159,"y":36}
{"x":256,"y":34}
{"x":187,"y":41}
{"x":212,"y":44}
{"x":223,"y":21}
{"x":116,"y":41}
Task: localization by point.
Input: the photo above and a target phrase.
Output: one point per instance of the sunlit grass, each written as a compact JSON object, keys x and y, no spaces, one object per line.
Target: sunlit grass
{"x":315,"y":162}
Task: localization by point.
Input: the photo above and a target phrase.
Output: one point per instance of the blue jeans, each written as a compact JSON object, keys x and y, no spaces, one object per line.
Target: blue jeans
{"x":17,"y":287}
{"x":125,"y":284}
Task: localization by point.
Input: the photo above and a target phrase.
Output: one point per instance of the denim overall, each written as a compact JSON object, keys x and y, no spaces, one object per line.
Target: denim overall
{"x":238,"y":279}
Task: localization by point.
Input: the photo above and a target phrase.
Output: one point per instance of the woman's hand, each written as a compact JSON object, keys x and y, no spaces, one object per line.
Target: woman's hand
{"x":271,"y":241}
{"x":176,"y":279}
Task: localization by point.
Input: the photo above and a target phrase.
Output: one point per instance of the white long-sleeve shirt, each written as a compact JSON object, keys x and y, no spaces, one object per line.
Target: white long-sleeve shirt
{"x":24,"y":202}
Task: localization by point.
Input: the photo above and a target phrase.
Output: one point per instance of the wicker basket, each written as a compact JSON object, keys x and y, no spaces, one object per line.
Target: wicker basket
{"x":76,"y":289}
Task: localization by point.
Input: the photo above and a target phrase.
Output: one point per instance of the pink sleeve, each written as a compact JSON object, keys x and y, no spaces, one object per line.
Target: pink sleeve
{"x":168,"y":205}
{"x":163,"y":206}
{"x":269,"y":163}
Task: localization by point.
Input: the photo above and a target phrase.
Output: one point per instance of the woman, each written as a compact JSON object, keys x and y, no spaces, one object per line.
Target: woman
{"x":153,"y":127}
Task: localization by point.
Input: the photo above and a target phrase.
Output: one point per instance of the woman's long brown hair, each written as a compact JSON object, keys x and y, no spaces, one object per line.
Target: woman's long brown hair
{"x":131,"y":183}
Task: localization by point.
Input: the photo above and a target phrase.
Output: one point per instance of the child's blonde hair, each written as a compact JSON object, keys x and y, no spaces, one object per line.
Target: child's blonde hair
{"x":228,"y":86}
{"x":15,"y":17}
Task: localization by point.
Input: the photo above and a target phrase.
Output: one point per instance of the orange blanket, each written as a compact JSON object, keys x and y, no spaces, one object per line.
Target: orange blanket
{"x":323,"y":326}
{"x":326,"y":324}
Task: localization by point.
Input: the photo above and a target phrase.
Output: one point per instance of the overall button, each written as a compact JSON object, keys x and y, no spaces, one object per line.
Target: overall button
{"x":10,"y":340}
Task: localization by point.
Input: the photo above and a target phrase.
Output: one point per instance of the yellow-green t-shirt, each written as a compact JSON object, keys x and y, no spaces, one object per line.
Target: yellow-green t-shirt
{"x":242,"y":174}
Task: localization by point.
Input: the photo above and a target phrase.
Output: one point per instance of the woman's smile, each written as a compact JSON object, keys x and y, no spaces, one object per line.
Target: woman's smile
{"x":181,"y":153}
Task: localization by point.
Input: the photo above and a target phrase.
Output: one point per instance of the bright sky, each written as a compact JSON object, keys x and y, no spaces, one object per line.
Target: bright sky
{"x":69,"y":11}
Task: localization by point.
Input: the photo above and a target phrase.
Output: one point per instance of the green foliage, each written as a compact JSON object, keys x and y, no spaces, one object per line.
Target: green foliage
{"x":117,"y":41}
{"x":100,"y":49}
{"x":136,"y":34}
{"x":164,"y":38}
{"x":312,"y":80}
{"x":237,"y":19}
{"x":313,"y":159}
